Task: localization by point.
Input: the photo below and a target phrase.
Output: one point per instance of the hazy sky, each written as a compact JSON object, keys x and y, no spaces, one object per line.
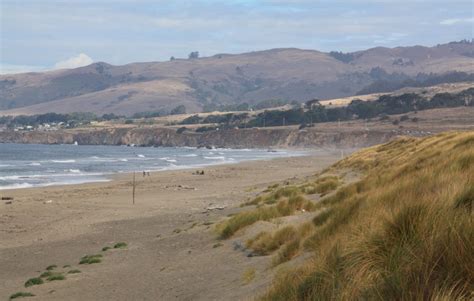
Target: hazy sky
{"x":49,"y":34}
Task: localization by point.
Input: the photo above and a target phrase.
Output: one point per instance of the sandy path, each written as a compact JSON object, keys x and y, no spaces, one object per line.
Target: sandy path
{"x":170,"y":254}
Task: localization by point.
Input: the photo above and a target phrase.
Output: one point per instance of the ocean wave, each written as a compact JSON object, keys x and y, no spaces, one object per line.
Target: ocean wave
{"x":74,"y":170}
{"x":215,"y":158}
{"x":171,"y":160}
{"x":141,"y":156}
{"x":16,"y":186}
{"x":189,"y":155}
{"x":34,"y":164}
{"x":63,"y":161}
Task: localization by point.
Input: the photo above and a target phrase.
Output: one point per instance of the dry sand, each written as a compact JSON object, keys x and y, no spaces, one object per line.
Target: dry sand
{"x":171,"y":253}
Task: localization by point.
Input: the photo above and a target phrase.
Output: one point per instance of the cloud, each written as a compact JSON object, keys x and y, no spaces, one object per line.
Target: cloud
{"x":74,"y":62}
{"x":456,"y":21}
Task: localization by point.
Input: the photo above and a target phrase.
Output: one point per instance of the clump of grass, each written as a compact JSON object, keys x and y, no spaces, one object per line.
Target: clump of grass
{"x":51,"y":267}
{"x":46,"y":274}
{"x":248,"y":275}
{"x":74,"y":271}
{"x":274,"y":196}
{"x":120,"y":245}
{"x":91,"y":259}
{"x":284,"y":207}
{"x":465,"y":199}
{"x":104,"y":249}
{"x":217,"y":245}
{"x":34,"y":281}
{"x":66,"y":266}
{"x":322,"y":185}
{"x":288,"y":251}
{"x":56,"y":277}
{"x":265,"y":243}
{"x":322,"y":217}
{"x":21,"y":295}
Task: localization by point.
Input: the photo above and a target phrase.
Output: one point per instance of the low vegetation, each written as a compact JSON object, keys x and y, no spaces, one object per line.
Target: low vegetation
{"x":33,"y":281}
{"x":248,"y":275}
{"x":91,"y":259}
{"x":404,"y":231}
{"x":120,"y":245}
{"x":21,"y":295}
{"x":56,"y":277}
{"x":74,"y":271}
{"x":284,"y":202}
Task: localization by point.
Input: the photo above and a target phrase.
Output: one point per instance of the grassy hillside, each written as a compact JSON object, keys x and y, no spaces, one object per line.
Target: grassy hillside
{"x":223,"y":80}
{"x":401,"y":229}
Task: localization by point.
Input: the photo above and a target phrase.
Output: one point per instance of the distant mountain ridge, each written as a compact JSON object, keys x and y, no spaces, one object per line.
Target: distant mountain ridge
{"x":290,"y":74}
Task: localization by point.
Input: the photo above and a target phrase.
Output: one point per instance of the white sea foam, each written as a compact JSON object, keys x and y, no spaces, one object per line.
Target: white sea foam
{"x":171,"y":160}
{"x":141,"y":156}
{"x":16,"y":186}
{"x":63,"y":161}
{"x":34,"y":164}
{"x":215,"y":158}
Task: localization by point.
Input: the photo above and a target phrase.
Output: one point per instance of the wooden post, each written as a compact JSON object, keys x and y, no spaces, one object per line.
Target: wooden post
{"x":133,"y":189}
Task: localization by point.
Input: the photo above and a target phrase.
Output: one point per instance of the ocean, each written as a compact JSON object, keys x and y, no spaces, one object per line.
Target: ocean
{"x":33,"y":165}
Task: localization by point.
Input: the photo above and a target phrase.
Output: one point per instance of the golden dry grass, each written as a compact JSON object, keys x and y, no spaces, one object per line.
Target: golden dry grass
{"x":405,"y":231}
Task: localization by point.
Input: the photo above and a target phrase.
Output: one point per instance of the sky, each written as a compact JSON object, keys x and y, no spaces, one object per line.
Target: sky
{"x":39,"y":35}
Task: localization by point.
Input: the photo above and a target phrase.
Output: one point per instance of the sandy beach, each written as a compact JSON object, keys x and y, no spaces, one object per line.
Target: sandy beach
{"x":172,"y":252}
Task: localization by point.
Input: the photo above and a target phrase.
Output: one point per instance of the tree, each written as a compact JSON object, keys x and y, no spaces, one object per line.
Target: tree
{"x":193,"y":55}
{"x":172,"y":58}
{"x":181,"y":109}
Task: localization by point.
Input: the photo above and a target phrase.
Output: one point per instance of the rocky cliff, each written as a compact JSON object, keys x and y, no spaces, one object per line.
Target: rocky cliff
{"x":242,"y":138}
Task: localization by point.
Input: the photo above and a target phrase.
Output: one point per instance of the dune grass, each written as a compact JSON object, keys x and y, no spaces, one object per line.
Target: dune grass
{"x":405,"y":231}
{"x":75,"y":271}
{"x":91,"y":259}
{"x":289,"y":201}
{"x":33,"y":281}
{"x":56,"y":277}
{"x":248,"y":275}
{"x":21,"y":295}
{"x":322,"y":185}
{"x":120,"y":245}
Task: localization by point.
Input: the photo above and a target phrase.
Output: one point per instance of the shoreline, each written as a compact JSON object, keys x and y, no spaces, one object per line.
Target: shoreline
{"x":169,"y":231}
{"x":113,"y":175}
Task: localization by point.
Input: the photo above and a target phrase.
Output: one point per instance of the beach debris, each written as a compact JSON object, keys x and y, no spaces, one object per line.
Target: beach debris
{"x":48,"y":202}
{"x":212,"y":207}
{"x":7,"y":198}
{"x":180,"y":187}
{"x":199,"y":172}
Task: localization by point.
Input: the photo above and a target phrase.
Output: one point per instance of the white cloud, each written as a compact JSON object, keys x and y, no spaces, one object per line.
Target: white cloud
{"x":74,"y":62}
{"x":456,"y":21}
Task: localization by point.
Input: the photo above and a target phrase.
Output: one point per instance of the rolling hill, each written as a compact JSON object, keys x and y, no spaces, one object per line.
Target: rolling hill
{"x":290,"y":74}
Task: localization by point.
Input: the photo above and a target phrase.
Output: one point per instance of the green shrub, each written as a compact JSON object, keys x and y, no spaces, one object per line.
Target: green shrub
{"x":33,"y":281}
